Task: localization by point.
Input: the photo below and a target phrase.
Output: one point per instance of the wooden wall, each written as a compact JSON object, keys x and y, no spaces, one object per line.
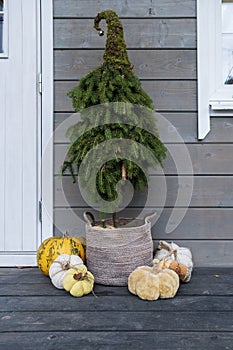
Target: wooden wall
{"x":161,"y":40}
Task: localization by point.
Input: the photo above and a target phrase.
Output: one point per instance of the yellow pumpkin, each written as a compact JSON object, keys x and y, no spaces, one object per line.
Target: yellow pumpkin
{"x":78,"y":281}
{"x":54,"y":246}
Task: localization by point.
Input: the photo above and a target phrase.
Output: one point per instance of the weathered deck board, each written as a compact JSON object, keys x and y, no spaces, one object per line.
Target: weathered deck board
{"x":114,"y":303}
{"x":36,"y":315}
{"x":126,"y":8}
{"x":115,"y":340}
{"x":87,"y":320}
{"x":146,"y":33}
{"x":30,"y":282}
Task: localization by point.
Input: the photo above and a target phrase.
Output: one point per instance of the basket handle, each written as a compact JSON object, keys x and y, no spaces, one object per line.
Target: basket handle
{"x":86,"y":216}
{"x":148,"y":218}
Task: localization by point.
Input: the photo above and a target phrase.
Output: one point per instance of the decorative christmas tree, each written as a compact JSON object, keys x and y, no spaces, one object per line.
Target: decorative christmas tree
{"x":118,"y":91}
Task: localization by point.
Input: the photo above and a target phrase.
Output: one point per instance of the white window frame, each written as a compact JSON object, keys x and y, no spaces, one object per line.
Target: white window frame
{"x":5,"y":36}
{"x":214,"y":98}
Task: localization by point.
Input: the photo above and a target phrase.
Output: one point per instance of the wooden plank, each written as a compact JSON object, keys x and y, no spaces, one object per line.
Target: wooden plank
{"x":198,"y":223}
{"x":38,"y":277}
{"x":115,"y":340}
{"x":28,"y":289}
{"x":118,"y":320}
{"x":207,"y":159}
{"x":129,"y":8}
{"x":167,"y":95}
{"x":214,"y":159}
{"x":152,"y":64}
{"x":14,"y":278}
{"x":114,"y":303}
{"x":183,"y":123}
{"x":203,"y":283}
{"x":211,"y":159}
{"x":208,"y":191}
{"x":31,"y":289}
{"x":16,"y":271}
{"x":143,"y":33}
{"x":186,"y":125}
{"x":221,"y":130}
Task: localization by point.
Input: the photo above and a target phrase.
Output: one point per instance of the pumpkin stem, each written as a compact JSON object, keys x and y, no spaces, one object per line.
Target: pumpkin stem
{"x":78,"y":276}
{"x":159,"y":264}
{"x":156,"y":268}
{"x":175,"y":254}
{"x":172,"y":252}
{"x":65,"y":234}
{"x":164,"y":245}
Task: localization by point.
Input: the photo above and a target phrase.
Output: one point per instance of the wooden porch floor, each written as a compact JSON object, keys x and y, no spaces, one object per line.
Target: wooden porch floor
{"x":36,"y":315}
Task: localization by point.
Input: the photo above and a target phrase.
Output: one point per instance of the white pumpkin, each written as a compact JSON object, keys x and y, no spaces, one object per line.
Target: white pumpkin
{"x":183,"y":255}
{"x":60,"y":266}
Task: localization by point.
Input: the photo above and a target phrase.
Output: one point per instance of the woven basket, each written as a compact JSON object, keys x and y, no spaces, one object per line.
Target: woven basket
{"x":112,"y":254}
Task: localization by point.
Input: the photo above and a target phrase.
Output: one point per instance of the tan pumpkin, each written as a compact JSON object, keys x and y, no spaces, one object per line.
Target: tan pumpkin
{"x":54,"y":246}
{"x":59,"y":267}
{"x":78,"y":281}
{"x":151,"y":283}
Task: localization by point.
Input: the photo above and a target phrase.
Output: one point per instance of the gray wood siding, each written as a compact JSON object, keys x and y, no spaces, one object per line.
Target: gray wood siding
{"x":125,"y":8}
{"x":161,"y":39}
{"x":169,"y":95}
{"x":143,"y":33}
{"x":164,"y":64}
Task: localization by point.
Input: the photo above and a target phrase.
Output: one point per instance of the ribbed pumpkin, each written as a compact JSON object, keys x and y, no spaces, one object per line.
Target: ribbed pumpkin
{"x":52,"y":247}
{"x":151,"y":283}
{"x":78,"y":281}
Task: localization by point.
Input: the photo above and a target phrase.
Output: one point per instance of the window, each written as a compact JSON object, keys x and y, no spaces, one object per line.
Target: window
{"x":227,"y":42}
{"x":215,"y":61}
{"x":3,"y":29}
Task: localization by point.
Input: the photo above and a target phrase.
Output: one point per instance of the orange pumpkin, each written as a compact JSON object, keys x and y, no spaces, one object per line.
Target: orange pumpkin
{"x":52,"y":247}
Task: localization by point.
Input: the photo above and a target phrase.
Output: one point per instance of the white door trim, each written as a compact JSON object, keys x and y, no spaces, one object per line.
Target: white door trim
{"x":26,"y":255}
{"x":47,"y":118}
